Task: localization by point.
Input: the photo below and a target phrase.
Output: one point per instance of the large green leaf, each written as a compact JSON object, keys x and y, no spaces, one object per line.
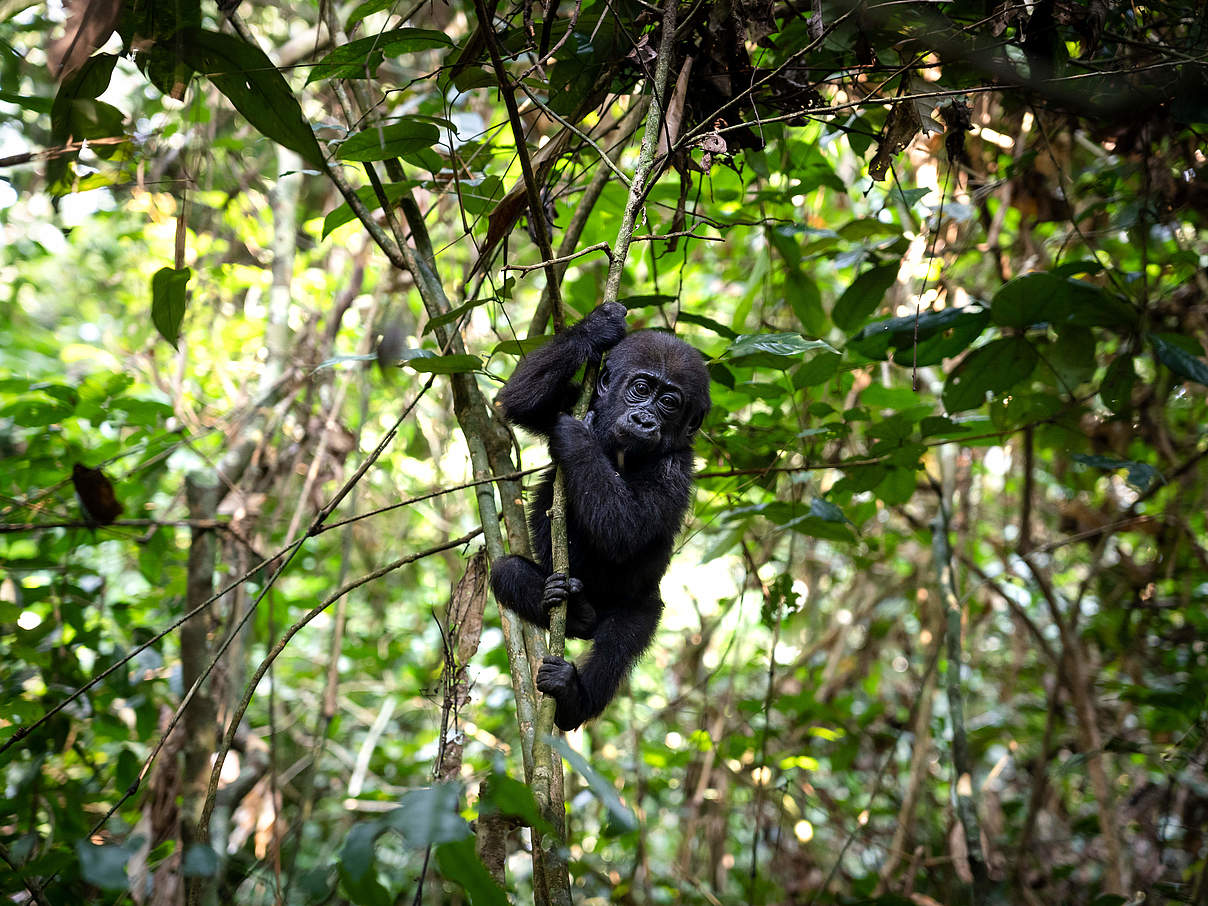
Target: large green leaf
{"x":444,"y":364}
{"x":168,"y":293}
{"x":708,"y":323}
{"x":1044,"y":298}
{"x":1116,"y":388}
{"x":459,"y":862}
{"x":404,"y":136}
{"x":994,"y":368}
{"x":76,"y":114}
{"x":253,"y":85}
{"x":622,"y":818}
{"x":430,"y":816}
{"x":103,"y":865}
{"x":772,"y":350}
{"x":862,"y":297}
{"x":1072,"y":357}
{"x":939,"y":334}
{"x":343,"y":214}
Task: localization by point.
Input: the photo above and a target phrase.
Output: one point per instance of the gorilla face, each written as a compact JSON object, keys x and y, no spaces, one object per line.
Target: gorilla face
{"x":651,"y":397}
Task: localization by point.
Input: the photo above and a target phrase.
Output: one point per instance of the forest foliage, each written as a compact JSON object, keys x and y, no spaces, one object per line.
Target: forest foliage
{"x":936,"y":629}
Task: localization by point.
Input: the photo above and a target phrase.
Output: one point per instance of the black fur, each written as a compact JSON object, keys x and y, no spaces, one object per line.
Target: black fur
{"x":628,"y":468}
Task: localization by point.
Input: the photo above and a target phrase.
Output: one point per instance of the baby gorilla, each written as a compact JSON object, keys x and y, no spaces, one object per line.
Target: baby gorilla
{"x":628,"y":473}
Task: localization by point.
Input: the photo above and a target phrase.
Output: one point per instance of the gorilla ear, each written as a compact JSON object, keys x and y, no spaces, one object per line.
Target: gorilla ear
{"x":603,"y":379}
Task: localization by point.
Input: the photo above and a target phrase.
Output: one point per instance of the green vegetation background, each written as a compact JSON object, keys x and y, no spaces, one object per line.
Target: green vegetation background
{"x":936,"y":632}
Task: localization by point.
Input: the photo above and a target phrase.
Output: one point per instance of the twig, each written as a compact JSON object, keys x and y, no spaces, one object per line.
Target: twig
{"x":604,"y":157}
{"x":536,"y":209}
{"x":526,"y":268}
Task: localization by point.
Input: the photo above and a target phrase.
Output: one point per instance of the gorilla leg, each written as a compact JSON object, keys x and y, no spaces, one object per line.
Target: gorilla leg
{"x":582,"y":693}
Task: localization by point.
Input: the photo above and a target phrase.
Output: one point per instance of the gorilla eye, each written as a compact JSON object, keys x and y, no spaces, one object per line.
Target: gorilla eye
{"x":669,"y":402}
{"x":640,"y":388}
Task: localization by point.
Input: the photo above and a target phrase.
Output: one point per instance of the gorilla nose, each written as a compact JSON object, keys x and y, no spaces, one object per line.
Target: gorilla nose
{"x":644,"y":421}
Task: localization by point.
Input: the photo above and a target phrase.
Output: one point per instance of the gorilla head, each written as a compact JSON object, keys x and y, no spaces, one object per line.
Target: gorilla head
{"x":652,"y":396}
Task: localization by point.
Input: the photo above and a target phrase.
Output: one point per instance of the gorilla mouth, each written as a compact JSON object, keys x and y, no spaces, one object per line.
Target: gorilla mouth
{"x":632,"y":439}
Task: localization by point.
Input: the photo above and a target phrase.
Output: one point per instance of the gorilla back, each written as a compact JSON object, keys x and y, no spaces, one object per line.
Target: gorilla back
{"x":628,"y":474}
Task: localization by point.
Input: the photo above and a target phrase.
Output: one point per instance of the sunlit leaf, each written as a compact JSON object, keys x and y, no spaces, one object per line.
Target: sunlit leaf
{"x":361,"y":58}
{"x":772,"y":350}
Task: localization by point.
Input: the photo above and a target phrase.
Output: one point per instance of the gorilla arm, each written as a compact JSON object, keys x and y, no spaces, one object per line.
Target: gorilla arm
{"x":619,"y":516}
{"x":542,"y":385}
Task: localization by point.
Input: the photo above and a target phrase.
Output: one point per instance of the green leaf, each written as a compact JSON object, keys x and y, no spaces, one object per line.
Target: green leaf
{"x":827,"y":511}
{"x":941,"y":426}
{"x":460,"y":863}
{"x":104,"y":866}
{"x":1140,"y":475}
{"x":478,"y":196}
{"x":430,"y":816}
{"x":1043,"y":298}
{"x":168,"y":295}
{"x":622,"y":817}
{"x":941,"y":335}
{"x":1073,"y":356}
{"x":820,"y":368}
{"x":805,"y":299}
{"x":453,"y":314}
{"x":707,"y":323}
{"x":504,"y":795}
{"x":368,"y":8}
{"x":253,"y":85}
{"x":817,"y":527}
{"x":1180,"y":354}
{"x":356,"y":855}
{"x":897,"y":487}
{"x":866,"y":228}
{"x":361,"y":58}
{"x":37,"y":410}
{"x":908,"y":197}
{"x":633,"y":303}
{"x":343,"y":214}
{"x":27,"y":102}
{"x":862,"y":297}
{"x":1117,"y":386}
{"x":772,"y":350}
{"x":444,"y":364}
{"x":404,"y":136}
{"x":994,"y":368}
{"x":474,"y":77}
{"x":520,"y":347}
